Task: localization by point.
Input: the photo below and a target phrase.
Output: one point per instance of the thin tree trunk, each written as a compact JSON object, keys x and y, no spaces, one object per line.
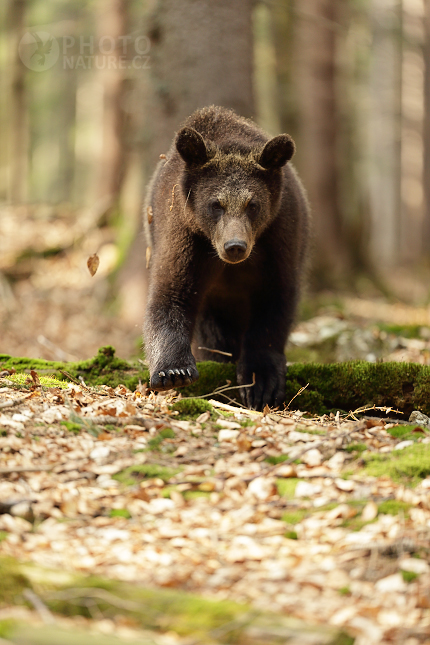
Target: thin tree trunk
{"x":384,"y":133}
{"x":283,"y":21}
{"x":426,"y":178}
{"x":315,"y":79}
{"x":18,"y":108}
{"x":111,"y":27}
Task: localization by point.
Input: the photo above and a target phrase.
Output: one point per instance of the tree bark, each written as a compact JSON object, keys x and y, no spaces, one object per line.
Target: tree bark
{"x":18,"y":151}
{"x":426,"y":177}
{"x":201,"y":54}
{"x":384,"y":133}
{"x":315,"y":49}
{"x":111,"y":27}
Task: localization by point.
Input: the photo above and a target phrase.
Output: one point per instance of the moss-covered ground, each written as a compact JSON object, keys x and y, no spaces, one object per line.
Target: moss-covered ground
{"x":158,"y":610}
{"x":330,"y":387}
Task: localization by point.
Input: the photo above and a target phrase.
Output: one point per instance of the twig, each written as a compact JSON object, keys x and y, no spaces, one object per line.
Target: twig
{"x":221,"y":389}
{"x":74,"y":380}
{"x":39,"y":606}
{"x":24,"y":469}
{"x":120,"y":421}
{"x":216,"y":351}
{"x":231,"y":408}
{"x":365,"y":408}
{"x":298,"y":394}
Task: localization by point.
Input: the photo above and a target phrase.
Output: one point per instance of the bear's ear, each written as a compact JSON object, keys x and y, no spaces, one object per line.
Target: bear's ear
{"x":277,"y":152}
{"x":191,"y":146}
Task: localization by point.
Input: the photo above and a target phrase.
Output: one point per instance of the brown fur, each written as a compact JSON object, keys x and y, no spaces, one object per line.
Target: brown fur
{"x":228,"y":235}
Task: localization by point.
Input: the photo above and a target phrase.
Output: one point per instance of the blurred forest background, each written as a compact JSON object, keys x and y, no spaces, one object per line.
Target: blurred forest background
{"x":92,"y":92}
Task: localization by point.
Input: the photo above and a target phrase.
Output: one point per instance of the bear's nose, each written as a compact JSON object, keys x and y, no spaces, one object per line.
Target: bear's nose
{"x":235,"y":249}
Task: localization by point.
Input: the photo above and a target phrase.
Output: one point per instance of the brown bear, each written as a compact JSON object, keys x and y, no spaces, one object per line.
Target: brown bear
{"x":228,"y":225}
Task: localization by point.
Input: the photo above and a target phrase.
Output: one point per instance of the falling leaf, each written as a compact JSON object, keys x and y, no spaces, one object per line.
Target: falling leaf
{"x":93,"y":264}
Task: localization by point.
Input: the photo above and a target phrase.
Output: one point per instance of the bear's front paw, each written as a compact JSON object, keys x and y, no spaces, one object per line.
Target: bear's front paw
{"x":270,"y":370}
{"x":169,"y":377}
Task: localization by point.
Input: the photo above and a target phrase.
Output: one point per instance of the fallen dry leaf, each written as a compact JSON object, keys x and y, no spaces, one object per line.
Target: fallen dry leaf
{"x":93,"y":263}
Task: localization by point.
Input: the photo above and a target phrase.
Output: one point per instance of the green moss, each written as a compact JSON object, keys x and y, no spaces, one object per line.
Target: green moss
{"x":409,"y":576}
{"x":211,"y":376}
{"x":408,"y":466}
{"x":13,"y":582}
{"x":287,"y":487}
{"x":247,"y":423}
{"x":333,"y":386}
{"x":296,"y":516}
{"x":193,"y":494}
{"x":161,"y":610}
{"x":351,"y":385}
{"x":3,"y":535}
{"x":103,"y":369}
{"x":120,"y":512}
{"x":155,"y":443}
{"x":344,"y":591}
{"x":343,"y":639}
{"x":72,"y":427}
{"x":356,"y":447}
{"x":291,"y":535}
{"x":6,"y":628}
{"x":23,"y":381}
{"x":406,"y":433}
{"x":407,"y":331}
{"x":358,"y":504}
{"x":134,"y":474}
{"x":306,"y":430}
{"x":191,"y":408}
{"x":394,"y":507}
{"x":278,"y":459}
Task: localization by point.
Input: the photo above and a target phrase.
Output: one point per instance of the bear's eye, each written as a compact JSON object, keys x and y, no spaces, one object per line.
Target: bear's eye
{"x":215,"y":209}
{"x":253,"y":208}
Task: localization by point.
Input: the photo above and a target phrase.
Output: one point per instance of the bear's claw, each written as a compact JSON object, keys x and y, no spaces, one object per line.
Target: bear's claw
{"x":174,"y":377}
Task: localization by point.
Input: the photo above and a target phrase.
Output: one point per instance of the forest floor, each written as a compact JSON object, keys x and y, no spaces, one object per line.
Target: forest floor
{"x":325,"y":519}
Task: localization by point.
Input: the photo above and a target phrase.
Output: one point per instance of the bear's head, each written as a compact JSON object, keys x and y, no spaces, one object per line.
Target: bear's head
{"x":233,"y":189}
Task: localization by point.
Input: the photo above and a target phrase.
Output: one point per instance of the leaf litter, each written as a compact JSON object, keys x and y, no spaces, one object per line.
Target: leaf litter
{"x":272,"y":509}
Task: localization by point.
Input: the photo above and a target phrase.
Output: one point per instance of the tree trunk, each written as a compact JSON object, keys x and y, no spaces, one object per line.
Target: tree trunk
{"x":201,"y":53}
{"x":111,"y":27}
{"x":384,"y":133}
{"x":315,"y":49}
{"x":18,"y":109}
{"x":426,"y":178}
{"x":283,"y":21}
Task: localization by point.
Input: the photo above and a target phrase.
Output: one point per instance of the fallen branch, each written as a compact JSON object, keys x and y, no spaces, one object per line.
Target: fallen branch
{"x":216,"y":351}
{"x":25,"y":469}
